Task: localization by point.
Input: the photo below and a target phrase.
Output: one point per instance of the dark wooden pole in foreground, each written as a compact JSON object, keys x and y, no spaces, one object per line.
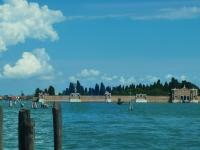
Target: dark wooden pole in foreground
{"x":57,"y":126}
{"x":1,"y":128}
{"x":26,"y":130}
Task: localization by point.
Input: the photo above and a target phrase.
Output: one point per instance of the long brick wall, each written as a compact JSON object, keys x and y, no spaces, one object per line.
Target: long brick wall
{"x":161,"y":99}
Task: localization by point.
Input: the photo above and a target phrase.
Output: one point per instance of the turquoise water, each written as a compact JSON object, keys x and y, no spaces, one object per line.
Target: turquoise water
{"x":103,"y":126}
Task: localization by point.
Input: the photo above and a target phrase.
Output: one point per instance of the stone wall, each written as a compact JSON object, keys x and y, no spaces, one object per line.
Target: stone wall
{"x":161,"y":99}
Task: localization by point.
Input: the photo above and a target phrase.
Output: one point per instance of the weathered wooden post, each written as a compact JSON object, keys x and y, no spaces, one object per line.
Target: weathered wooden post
{"x":57,"y":126}
{"x":131,"y":105}
{"x":1,"y":128}
{"x":26,"y":130}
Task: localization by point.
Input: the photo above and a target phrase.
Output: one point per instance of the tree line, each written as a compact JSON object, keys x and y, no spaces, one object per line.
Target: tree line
{"x":155,"y":89}
{"x":50,"y":91}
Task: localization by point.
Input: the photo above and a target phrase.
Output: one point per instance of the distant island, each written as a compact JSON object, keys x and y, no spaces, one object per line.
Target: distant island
{"x":155,"y":89}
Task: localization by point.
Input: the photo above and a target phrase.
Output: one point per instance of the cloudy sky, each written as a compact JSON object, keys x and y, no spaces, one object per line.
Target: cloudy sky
{"x":45,"y":42}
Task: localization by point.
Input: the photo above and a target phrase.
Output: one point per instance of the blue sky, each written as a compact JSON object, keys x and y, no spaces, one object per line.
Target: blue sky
{"x":114,"y":41}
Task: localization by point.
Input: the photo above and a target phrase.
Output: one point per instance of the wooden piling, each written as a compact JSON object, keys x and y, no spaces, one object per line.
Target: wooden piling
{"x":26,"y":130}
{"x":131,"y":105}
{"x":57,"y":126}
{"x":1,"y":128}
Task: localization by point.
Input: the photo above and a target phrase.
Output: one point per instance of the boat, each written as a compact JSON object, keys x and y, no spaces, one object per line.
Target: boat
{"x":108,"y":97}
{"x":186,"y":101}
{"x":108,"y":100}
{"x":194,"y":101}
{"x":141,"y":98}
{"x":141,"y":101}
{"x":176,"y":101}
{"x":119,"y":101}
{"x":74,"y":100}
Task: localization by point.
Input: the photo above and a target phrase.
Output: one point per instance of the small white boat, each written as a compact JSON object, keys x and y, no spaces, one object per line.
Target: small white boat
{"x":74,"y":100}
{"x":108,"y":100}
{"x":41,"y":101}
{"x":194,"y":101}
{"x":141,"y":98}
{"x":176,"y":101}
{"x":141,"y":101}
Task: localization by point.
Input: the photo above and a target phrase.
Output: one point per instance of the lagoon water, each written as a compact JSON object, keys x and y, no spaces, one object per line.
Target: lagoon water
{"x":101,"y":126}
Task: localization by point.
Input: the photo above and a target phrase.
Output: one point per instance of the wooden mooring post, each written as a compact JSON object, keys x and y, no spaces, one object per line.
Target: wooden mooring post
{"x":57,"y":126}
{"x":131,"y":105}
{"x":26,"y":130}
{"x":1,"y":128}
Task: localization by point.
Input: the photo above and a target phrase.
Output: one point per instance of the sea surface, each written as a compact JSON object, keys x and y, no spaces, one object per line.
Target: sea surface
{"x":103,"y":126}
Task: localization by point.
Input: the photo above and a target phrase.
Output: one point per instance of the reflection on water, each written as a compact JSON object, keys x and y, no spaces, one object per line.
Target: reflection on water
{"x":111,"y":126}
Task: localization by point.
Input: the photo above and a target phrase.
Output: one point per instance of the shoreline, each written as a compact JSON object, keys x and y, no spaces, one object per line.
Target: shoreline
{"x":150,"y":99}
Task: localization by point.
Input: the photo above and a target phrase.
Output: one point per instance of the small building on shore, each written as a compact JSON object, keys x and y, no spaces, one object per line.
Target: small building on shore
{"x":108,"y":97}
{"x":75,"y":97}
{"x":184,"y":95}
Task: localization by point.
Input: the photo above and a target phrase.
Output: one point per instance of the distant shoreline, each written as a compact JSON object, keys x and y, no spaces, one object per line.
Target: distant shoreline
{"x":151,"y":99}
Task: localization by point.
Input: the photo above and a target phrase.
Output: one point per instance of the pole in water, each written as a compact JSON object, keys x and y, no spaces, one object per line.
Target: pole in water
{"x":26,"y":130}
{"x":1,"y":128}
{"x":57,"y":126}
{"x":10,"y":103}
{"x":130,"y":105}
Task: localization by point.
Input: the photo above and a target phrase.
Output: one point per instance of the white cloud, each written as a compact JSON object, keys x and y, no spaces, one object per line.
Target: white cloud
{"x":73,"y":79}
{"x":133,"y":80}
{"x":164,"y":14}
{"x":183,"y":77}
{"x":127,"y":81}
{"x":21,"y":20}
{"x":85,"y":74}
{"x":168,"y":76}
{"x":151,"y":79}
{"x":109,"y":16}
{"x":180,"y":13}
{"x":172,"y":14}
{"x":91,"y":76}
{"x":108,"y":78}
{"x":89,"y":73}
{"x":31,"y":64}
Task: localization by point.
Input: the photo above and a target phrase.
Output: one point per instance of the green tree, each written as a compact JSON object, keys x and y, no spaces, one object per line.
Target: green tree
{"x":51,"y":90}
{"x":71,"y":88}
{"x":37,"y":92}
{"x":96,"y":90}
{"x":102,"y":89}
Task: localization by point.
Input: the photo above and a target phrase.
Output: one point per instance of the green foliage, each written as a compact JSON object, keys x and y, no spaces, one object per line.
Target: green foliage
{"x":102,"y":89}
{"x":37,"y":92}
{"x":51,"y":90}
{"x":155,"y":89}
{"x":96,"y":90}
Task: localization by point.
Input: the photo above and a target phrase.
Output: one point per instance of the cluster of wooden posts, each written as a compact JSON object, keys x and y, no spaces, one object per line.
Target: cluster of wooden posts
{"x":26,"y":129}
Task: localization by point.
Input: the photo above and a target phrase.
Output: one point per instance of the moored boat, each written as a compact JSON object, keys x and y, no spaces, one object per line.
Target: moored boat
{"x":141,"y":101}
